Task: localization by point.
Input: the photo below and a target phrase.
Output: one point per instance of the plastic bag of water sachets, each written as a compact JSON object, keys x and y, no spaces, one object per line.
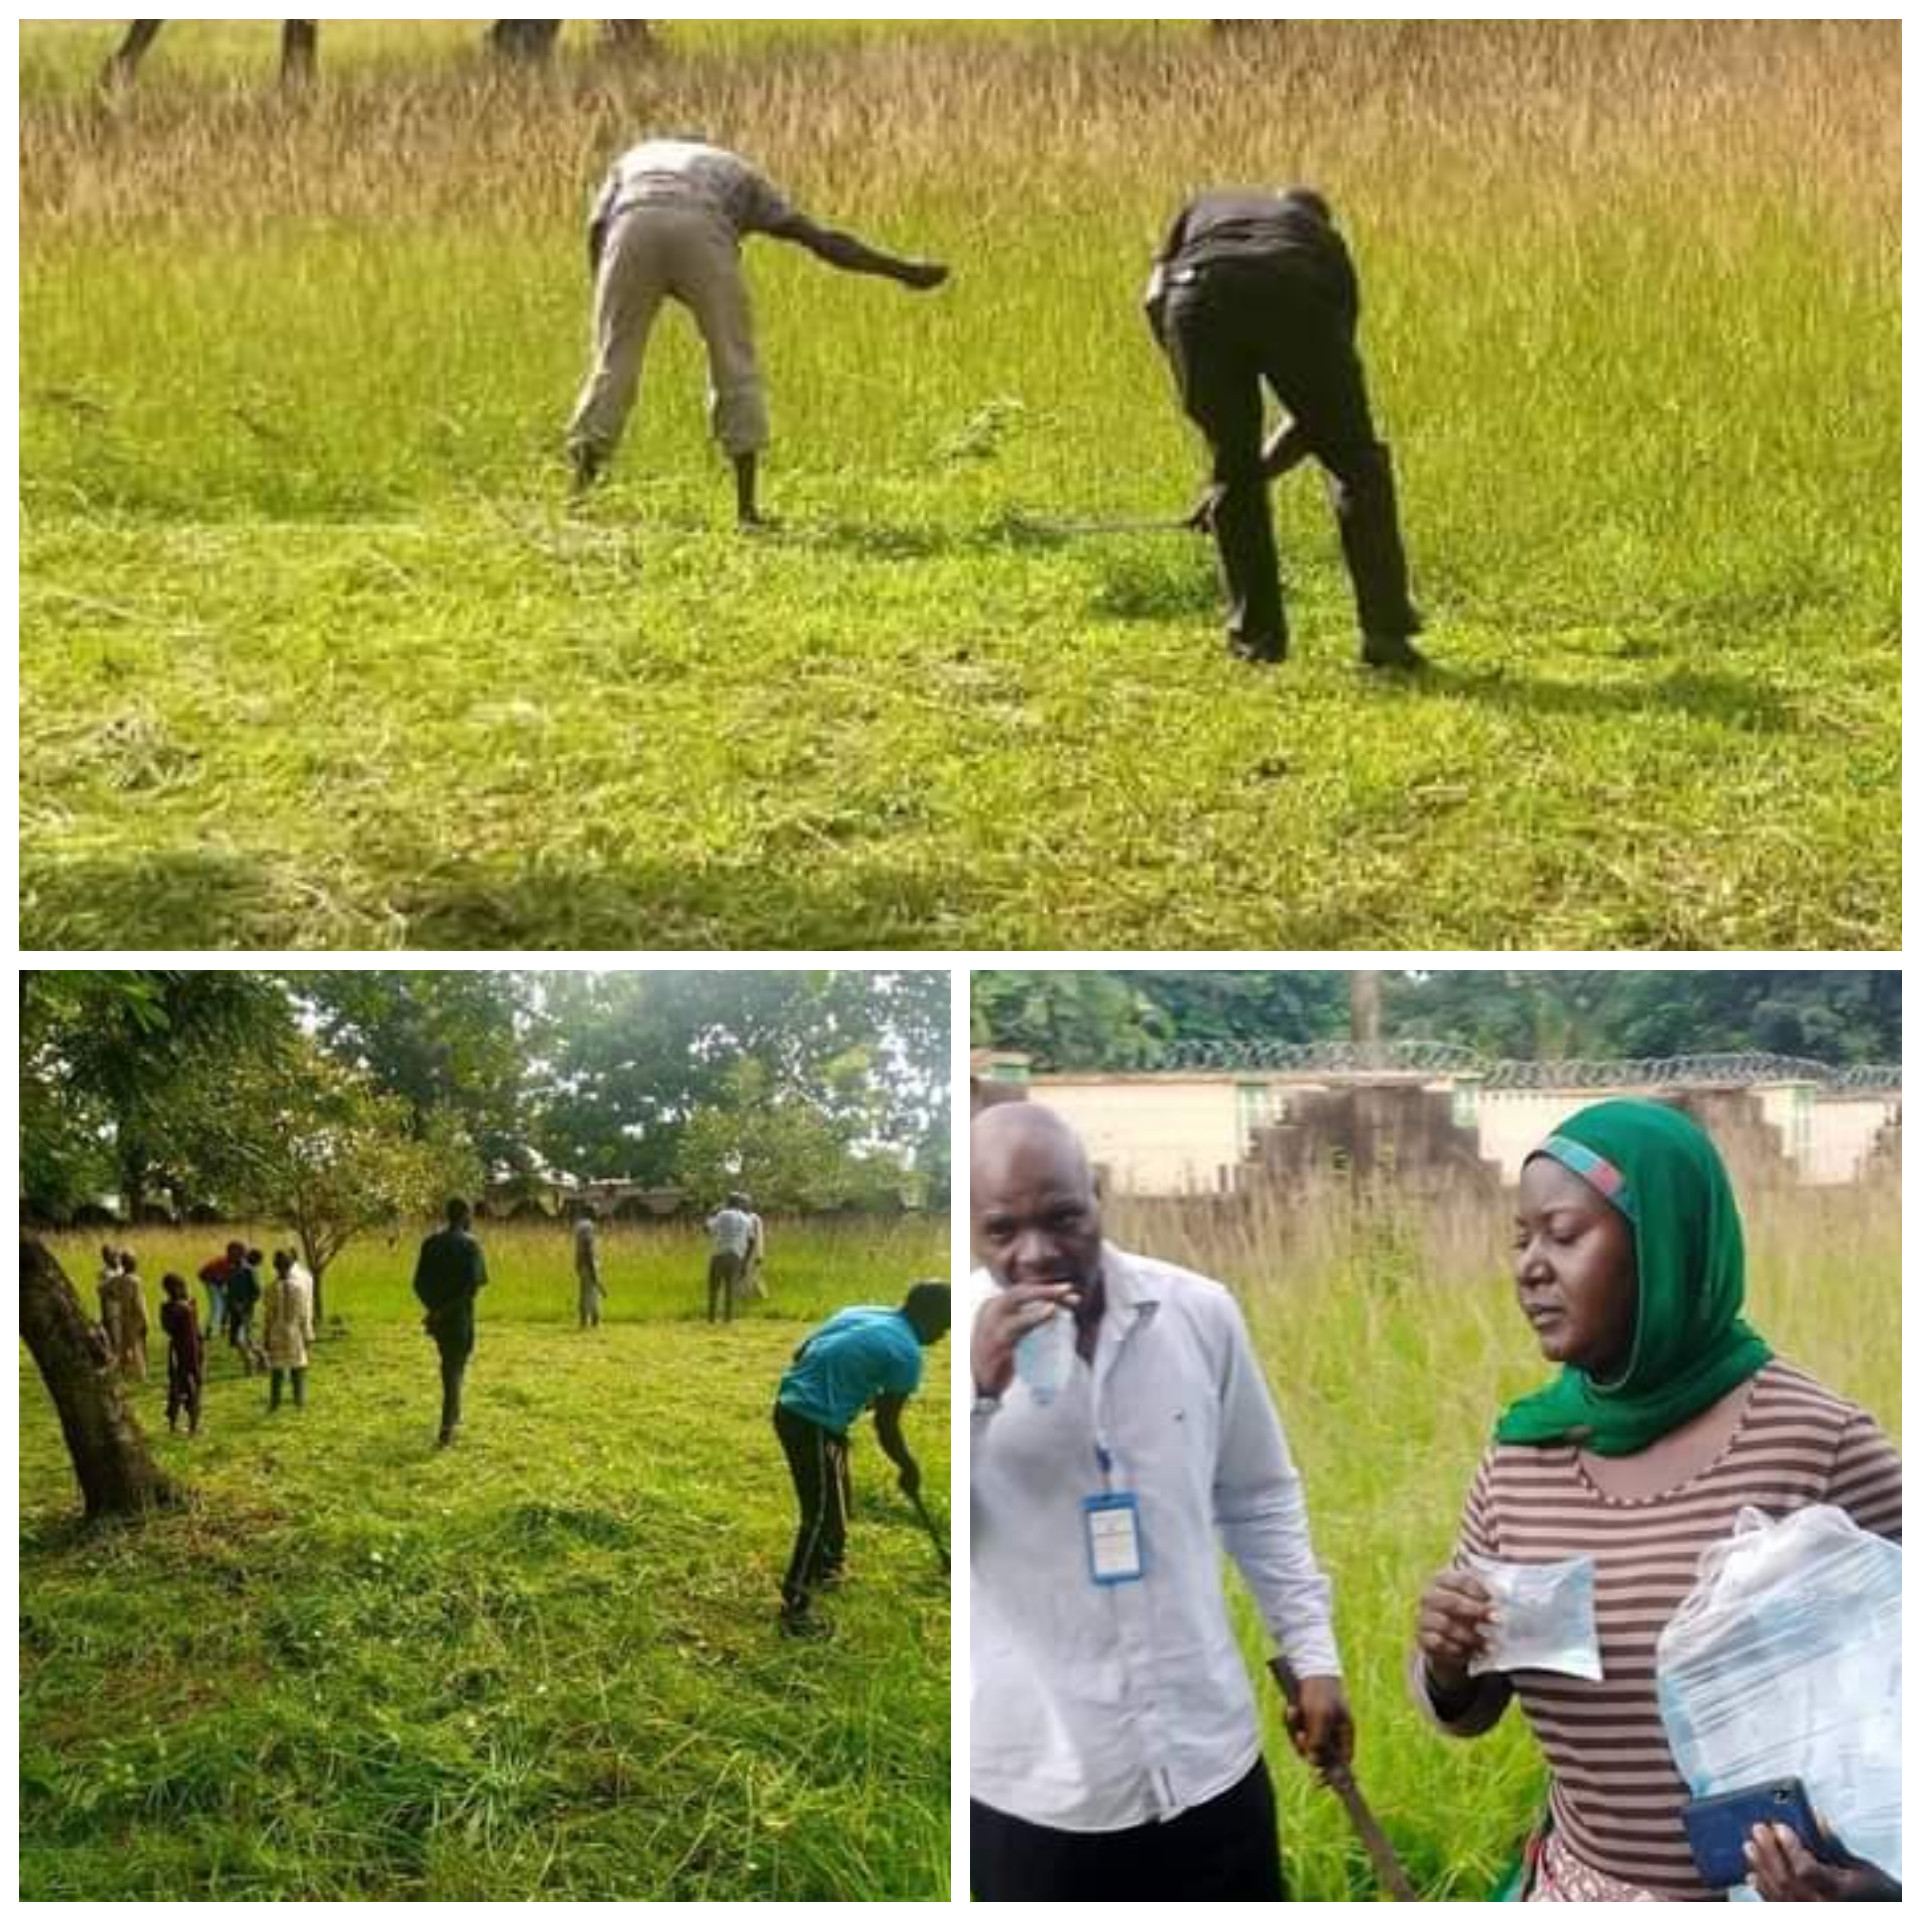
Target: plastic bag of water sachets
{"x":1784,"y":1663}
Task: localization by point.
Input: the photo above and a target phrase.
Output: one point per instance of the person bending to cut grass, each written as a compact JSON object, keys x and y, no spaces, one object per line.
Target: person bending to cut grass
{"x":668,"y":226}
{"x":1254,"y":289}
{"x":862,"y":1356}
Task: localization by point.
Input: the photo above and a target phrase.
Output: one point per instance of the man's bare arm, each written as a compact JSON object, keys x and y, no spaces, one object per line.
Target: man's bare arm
{"x":852,"y":255}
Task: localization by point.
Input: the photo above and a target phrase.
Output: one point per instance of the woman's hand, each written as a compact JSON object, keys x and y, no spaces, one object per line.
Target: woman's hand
{"x":1783,"y":1869}
{"x":1455,"y":1613}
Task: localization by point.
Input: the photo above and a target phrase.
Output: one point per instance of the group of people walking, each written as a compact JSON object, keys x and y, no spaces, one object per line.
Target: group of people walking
{"x":861,"y":1358}
{"x":1253,"y":291}
{"x":231,"y":1281}
{"x":1116,"y":1749}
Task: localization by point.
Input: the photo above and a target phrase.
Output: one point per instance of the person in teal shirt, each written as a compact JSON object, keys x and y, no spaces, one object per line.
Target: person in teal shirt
{"x":862,"y":1356}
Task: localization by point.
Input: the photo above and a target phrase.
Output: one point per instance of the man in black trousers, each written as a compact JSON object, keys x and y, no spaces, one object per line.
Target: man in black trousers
{"x":451,"y":1271}
{"x":1252,"y":287}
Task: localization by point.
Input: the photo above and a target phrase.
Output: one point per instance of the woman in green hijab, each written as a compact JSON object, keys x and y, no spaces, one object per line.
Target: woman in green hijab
{"x":1669,"y":1414}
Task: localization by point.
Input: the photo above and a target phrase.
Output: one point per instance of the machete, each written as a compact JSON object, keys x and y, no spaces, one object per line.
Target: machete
{"x":1386,"y":1863}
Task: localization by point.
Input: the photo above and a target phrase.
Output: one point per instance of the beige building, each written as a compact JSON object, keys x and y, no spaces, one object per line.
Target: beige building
{"x":1192,"y":1131}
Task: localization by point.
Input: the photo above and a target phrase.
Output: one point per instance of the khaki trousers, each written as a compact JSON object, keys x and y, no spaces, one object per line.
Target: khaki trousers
{"x":656,"y":253}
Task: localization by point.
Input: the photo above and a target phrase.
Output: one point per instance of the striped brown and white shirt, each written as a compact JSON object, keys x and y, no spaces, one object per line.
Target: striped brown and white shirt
{"x":1616,"y":1796}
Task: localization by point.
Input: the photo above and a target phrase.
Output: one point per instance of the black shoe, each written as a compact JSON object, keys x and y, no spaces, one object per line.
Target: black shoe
{"x":1392,"y":652}
{"x":804,"y":1626}
{"x":1258,"y":653}
{"x":446,"y":1437}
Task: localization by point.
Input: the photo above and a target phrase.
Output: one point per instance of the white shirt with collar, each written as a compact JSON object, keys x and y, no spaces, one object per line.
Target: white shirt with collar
{"x":1097,"y":1708}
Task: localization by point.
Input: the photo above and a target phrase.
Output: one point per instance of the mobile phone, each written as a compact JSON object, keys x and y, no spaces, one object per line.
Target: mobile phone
{"x":1718,"y":1826}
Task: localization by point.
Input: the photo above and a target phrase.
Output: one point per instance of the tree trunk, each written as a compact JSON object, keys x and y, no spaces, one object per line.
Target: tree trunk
{"x":1363,"y":987}
{"x":134,"y":1168}
{"x":109,"y":1452}
{"x":528,"y":42}
{"x":120,"y":70}
{"x":299,"y":53}
{"x":631,"y":39}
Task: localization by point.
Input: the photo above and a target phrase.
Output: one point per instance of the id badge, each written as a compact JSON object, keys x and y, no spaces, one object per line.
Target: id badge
{"x":1114,"y":1550}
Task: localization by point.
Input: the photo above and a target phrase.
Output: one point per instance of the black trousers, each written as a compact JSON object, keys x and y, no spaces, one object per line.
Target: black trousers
{"x":817,"y":1460}
{"x":1228,"y":1849}
{"x":456,"y":1349}
{"x":1240,"y":324}
{"x":723,"y":1277}
{"x":183,"y":1394}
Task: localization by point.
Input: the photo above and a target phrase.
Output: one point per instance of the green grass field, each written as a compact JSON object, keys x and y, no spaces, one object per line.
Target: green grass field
{"x":1390,"y":1348}
{"x":540,"y":1666}
{"x":315,"y":654}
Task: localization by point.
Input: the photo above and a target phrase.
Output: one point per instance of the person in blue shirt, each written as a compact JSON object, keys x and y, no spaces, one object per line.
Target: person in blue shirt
{"x":862,"y":1356}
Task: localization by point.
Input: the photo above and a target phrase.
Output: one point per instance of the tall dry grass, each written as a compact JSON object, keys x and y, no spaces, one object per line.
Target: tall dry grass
{"x":1542,"y":120}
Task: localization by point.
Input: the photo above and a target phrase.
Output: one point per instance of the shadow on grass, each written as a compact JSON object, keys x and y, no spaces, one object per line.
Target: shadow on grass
{"x":198,"y":899}
{"x":661,"y":905}
{"x":221,"y":903}
{"x":188,"y":901}
{"x":1699,"y":696}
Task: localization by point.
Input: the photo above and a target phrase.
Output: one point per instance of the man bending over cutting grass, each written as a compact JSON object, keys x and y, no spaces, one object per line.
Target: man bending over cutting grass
{"x":1252,"y":287}
{"x":862,"y":1356}
{"x":668,"y":226}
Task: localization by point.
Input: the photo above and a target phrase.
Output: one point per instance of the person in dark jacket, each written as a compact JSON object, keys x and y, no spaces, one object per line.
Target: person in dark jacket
{"x":1256,"y":288}
{"x":243,"y":1295}
{"x":451,"y":1270}
{"x":185,"y":1358}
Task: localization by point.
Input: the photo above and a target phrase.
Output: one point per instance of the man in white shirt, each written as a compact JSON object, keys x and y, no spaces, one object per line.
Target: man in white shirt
{"x":736,"y":1236}
{"x":1115,"y":1741}
{"x":586,"y":1267}
{"x":668,"y":225}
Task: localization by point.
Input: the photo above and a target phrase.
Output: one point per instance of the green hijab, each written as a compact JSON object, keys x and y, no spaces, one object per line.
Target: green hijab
{"x":1690,"y":1346}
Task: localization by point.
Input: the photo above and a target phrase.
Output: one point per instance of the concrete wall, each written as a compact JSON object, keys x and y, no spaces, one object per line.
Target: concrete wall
{"x":1168,"y":1134}
{"x":1844,"y":1131}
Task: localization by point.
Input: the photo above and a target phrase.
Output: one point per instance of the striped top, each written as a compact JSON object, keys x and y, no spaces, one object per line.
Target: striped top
{"x":1616,"y":1795}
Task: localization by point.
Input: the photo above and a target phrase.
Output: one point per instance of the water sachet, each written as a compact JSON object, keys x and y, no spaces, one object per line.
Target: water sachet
{"x":1547,"y":1622}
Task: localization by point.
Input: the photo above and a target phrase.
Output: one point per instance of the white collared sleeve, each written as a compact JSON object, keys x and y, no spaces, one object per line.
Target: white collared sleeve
{"x":980,"y":1289}
{"x":1260,"y":1507}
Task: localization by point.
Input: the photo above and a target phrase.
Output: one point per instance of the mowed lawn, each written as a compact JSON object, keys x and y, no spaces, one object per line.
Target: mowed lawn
{"x":316,"y":653}
{"x":541,"y":1665}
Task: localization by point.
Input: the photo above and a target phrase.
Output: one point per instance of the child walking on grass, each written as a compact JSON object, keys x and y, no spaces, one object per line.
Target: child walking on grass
{"x":186,"y":1357}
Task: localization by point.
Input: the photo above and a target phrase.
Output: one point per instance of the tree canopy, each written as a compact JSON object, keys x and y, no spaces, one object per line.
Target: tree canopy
{"x":136,"y":1084}
{"x":1125,"y":1020}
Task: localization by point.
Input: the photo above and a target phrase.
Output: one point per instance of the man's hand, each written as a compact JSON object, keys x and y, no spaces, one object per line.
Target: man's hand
{"x":999,"y":1325}
{"x":1455,"y":1613}
{"x":923,"y":275}
{"x":1200,"y":520}
{"x":910,"y":1478}
{"x":1320,"y":1724}
{"x":1783,"y":1869}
